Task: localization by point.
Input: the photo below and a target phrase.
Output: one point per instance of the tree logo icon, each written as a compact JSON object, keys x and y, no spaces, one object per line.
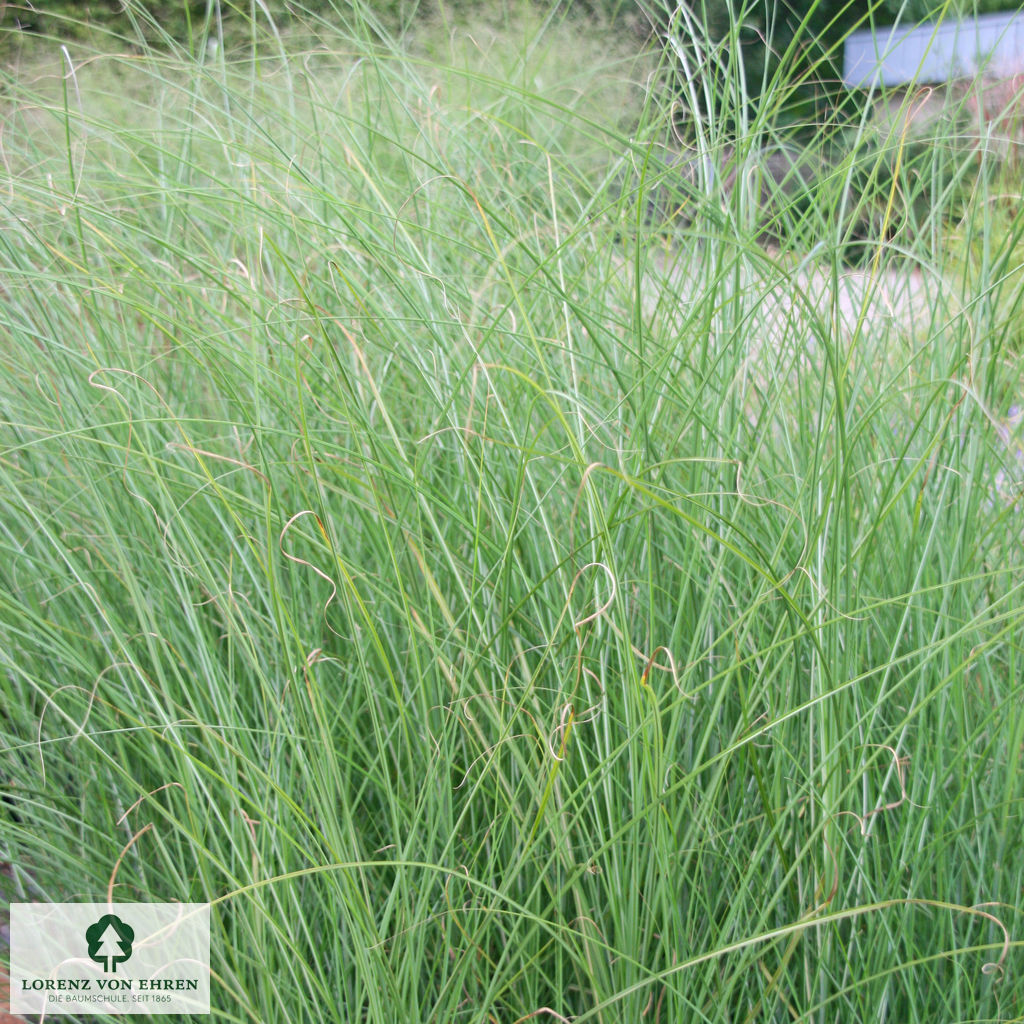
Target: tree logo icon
{"x":110,"y":941}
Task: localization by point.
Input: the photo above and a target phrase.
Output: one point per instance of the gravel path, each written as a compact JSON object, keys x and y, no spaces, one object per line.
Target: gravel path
{"x":894,"y":314}
{"x":901,"y":297}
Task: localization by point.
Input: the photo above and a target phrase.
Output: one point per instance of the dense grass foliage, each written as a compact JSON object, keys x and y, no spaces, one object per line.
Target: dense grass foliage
{"x":496,"y":605}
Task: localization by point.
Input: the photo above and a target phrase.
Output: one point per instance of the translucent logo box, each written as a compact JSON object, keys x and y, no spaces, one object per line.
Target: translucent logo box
{"x":78,"y":958}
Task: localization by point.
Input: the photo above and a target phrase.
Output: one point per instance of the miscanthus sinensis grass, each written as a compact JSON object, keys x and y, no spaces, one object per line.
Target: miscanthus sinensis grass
{"x":495,"y":607}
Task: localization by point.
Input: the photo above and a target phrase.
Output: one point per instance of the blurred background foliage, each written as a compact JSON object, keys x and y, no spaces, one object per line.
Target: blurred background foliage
{"x":767,"y":25}
{"x":770,"y":38}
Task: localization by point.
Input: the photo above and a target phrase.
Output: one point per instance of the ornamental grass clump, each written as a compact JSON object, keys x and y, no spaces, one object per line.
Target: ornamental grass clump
{"x":495,"y":605}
